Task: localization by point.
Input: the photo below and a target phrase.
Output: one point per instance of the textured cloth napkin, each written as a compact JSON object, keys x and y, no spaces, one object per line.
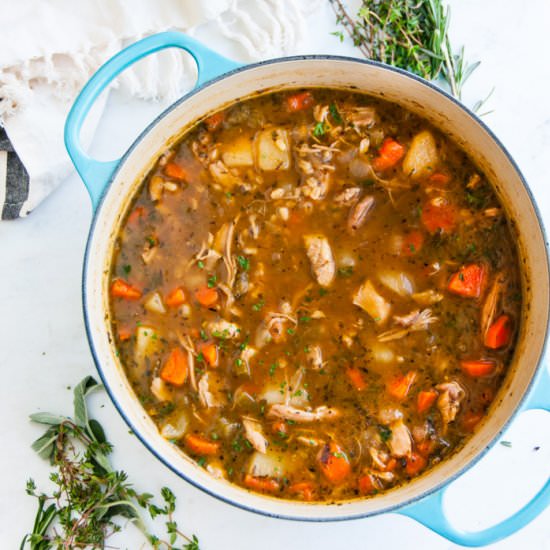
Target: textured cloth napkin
{"x":50,"y":48}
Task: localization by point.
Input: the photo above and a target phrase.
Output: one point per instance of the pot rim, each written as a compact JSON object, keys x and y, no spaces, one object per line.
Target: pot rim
{"x":218,"y":495}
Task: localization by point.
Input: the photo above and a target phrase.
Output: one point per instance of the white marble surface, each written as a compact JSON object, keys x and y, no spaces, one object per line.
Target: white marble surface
{"x":43,"y":347}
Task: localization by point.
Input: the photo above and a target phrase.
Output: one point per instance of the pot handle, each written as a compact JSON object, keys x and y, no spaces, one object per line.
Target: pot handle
{"x":96,"y":174}
{"x":430,"y":511}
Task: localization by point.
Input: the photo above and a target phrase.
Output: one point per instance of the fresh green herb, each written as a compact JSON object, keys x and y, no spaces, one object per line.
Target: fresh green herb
{"x":339,"y":35}
{"x":200,"y":264}
{"x":410,"y":34}
{"x":239,"y":362}
{"x":200,"y":357}
{"x":334,"y":113}
{"x":290,"y":331}
{"x":201,"y":461}
{"x":323,"y":291}
{"x":259,"y":305}
{"x":319,"y":129}
{"x":506,"y":443}
{"x":272,"y":369}
{"x":385,"y":433}
{"x":127,"y":268}
{"x":89,"y":493}
{"x":151,"y":240}
{"x":306,"y":349}
{"x":203,"y":334}
{"x":244,"y":262}
{"x":345,"y":271}
{"x":339,"y":455}
{"x":305,"y":319}
{"x":212,"y":281}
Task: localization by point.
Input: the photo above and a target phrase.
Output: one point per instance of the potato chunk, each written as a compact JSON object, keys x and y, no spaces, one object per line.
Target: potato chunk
{"x":272,"y":148}
{"x":238,"y":152}
{"x":373,"y":303}
{"x":422,"y":157}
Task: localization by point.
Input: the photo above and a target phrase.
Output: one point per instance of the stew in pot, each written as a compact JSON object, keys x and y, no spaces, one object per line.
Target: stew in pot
{"x":315,"y":294}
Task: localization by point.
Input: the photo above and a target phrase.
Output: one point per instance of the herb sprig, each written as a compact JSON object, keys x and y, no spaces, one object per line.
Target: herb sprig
{"x":410,"y":34}
{"x":89,"y":493}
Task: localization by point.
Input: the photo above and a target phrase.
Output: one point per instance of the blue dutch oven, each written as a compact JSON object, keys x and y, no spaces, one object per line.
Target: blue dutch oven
{"x":221,"y":82}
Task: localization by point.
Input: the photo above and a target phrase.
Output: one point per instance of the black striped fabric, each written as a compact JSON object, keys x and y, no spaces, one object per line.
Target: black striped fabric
{"x":14,"y":181}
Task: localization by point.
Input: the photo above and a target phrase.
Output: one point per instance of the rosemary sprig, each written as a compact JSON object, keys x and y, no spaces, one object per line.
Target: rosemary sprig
{"x":89,"y":493}
{"x":410,"y":34}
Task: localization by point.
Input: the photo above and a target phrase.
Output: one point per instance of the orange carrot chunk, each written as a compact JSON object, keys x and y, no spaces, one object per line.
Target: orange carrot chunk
{"x":426,"y":447}
{"x":214,"y":121}
{"x":356,"y":378}
{"x":425,"y":400}
{"x":262,"y":484}
{"x":366,"y":485}
{"x":124,"y":333}
{"x":175,"y":171}
{"x":438,"y":215}
{"x":499,"y":333}
{"x":175,"y":368}
{"x":389,"y":155}
{"x":415,"y":464}
{"x":206,"y":296}
{"x":334,"y":463}
{"x":303,"y":490}
{"x":412,"y":243}
{"x":439,"y":178}
{"x":209,"y":351}
{"x":469,"y":281}
{"x":121,"y":289}
{"x":200,"y":445}
{"x":175,"y":298}
{"x":479,"y":367}
{"x":137,"y":213}
{"x":299,"y":102}
{"x":399,"y":387}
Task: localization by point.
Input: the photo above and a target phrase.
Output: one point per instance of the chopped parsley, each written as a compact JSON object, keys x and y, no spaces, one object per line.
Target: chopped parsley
{"x":127,"y":268}
{"x":259,"y":305}
{"x":212,"y":281}
{"x":243,"y":262}
{"x":385,"y":433}
{"x":200,"y":263}
{"x":319,"y":129}
{"x":272,"y":368}
{"x":335,"y":114}
{"x":345,"y":271}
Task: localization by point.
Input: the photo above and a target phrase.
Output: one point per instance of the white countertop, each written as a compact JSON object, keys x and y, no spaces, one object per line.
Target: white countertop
{"x":43,"y":347}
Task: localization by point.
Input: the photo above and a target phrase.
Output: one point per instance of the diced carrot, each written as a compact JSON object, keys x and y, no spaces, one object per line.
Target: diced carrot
{"x":366,"y":485}
{"x":200,"y":445}
{"x":356,"y":378}
{"x":439,"y":178}
{"x":214,"y":121}
{"x":438,"y":215}
{"x":426,"y":447}
{"x":399,"y":387}
{"x":137,"y":213}
{"x":262,"y":484}
{"x":425,"y":400}
{"x":206,"y":296}
{"x":469,"y":281}
{"x":470,"y":420}
{"x":415,"y":464}
{"x":412,"y":243}
{"x":175,"y":171}
{"x":479,"y":367}
{"x":279,"y":427}
{"x":299,"y":102}
{"x":499,"y":333}
{"x":209,"y":351}
{"x":391,"y":465}
{"x":121,"y":289}
{"x":124,"y":333}
{"x":175,"y":298}
{"x":175,"y":368}
{"x":389,"y":155}
{"x":334,"y":463}
{"x":303,"y":489}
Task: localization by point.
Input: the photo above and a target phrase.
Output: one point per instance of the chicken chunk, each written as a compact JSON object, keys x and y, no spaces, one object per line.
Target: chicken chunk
{"x":300,"y":415}
{"x":450,"y":398}
{"x":320,"y":255}
{"x":373,"y":303}
{"x":253,"y":432}
{"x":400,"y":442}
{"x":359,"y":213}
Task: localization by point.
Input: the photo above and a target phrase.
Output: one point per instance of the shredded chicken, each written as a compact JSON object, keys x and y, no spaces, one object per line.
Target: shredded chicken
{"x":450,"y":398}
{"x":492,"y":302}
{"x":300,"y":415}
{"x":413,"y":322}
{"x":224,"y":329}
{"x":400,"y":442}
{"x":316,"y":187}
{"x":186,"y":342}
{"x":427,"y":297}
{"x":362,"y":117}
{"x":320,"y":255}
{"x":206,"y":397}
{"x":359,"y":213}
{"x":379,"y":458}
{"x":314,"y":357}
{"x":253,"y":432}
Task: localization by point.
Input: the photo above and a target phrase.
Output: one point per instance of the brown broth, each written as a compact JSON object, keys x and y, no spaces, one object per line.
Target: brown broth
{"x":223,"y":219}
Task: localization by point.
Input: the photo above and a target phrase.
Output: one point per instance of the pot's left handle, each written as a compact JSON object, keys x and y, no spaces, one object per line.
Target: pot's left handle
{"x":96,"y":174}
{"x":430,"y":511}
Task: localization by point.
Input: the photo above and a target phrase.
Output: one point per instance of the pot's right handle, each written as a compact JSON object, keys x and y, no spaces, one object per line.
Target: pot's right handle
{"x":430,"y":511}
{"x":96,"y":174}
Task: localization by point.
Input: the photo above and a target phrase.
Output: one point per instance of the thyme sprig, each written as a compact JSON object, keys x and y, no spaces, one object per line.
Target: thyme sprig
{"x":89,"y":494}
{"x":409,"y":34}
